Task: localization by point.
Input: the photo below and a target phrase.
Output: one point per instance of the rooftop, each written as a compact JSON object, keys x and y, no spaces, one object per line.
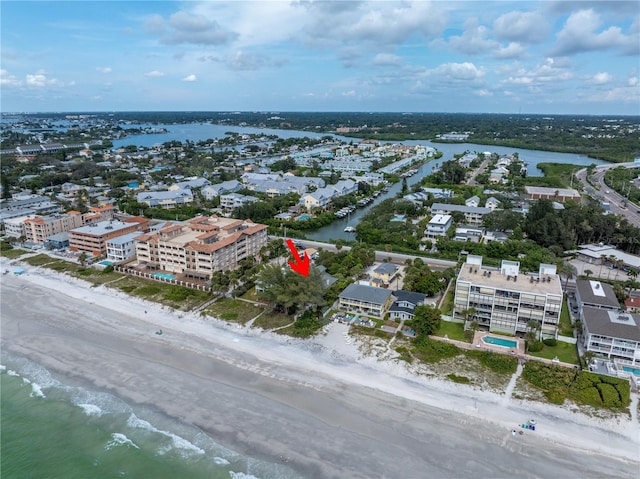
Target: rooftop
{"x":614,"y":324}
{"x":102,"y":228}
{"x":595,"y":292}
{"x":525,"y":282}
{"x":369,"y":294}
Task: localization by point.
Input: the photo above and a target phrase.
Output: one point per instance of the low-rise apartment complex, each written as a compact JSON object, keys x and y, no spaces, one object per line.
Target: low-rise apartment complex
{"x":199,"y":247}
{"x":93,"y":238}
{"x":504,"y":300}
{"x":614,"y":334}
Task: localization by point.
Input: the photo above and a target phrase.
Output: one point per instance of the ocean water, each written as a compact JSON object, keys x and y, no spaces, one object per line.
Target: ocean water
{"x":53,"y":430}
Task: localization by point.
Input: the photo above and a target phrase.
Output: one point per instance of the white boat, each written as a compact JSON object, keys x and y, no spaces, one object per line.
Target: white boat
{"x":349,"y":229}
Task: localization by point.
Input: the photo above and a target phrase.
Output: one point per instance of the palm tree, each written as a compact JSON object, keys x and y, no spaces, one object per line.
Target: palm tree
{"x":82,"y":259}
{"x":587,"y":273}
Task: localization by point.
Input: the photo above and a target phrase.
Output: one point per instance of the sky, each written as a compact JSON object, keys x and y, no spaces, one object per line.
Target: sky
{"x":544,"y":57}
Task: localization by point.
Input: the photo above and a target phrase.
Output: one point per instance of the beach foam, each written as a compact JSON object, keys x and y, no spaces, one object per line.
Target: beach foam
{"x":119,"y":439}
{"x":177,"y":442}
{"x":91,"y":409}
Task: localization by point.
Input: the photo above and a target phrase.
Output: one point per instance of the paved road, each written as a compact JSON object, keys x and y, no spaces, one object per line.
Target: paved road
{"x":604,"y":193}
{"x":436,"y":264}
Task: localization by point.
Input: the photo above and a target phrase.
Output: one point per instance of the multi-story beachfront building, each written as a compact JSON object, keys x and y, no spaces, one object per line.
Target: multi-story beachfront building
{"x":201,"y":246}
{"x":122,"y":248}
{"x":614,"y":334}
{"x":93,"y":238}
{"x":38,"y":228}
{"x":504,"y":300}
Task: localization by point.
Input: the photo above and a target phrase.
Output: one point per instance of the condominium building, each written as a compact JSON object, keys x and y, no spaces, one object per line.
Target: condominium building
{"x":122,"y":248}
{"x":93,"y":238}
{"x":438,"y":226}
{"x":614,"y":334}
{"x":38,"y":228}
{"x":504,"y":300}
{"x":199,"y":247}
{"x":595,"y":294}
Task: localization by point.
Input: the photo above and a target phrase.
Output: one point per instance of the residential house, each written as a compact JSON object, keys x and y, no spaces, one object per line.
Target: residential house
{"x":473,"y":215}
{"x":492,"y":203}
{"x":384,"y":273}
{"x":211,"y":191}
{"x":601,"y":253}
{"x":122,"y":248}
{"x":190,"y":183}
{"x":166,"y":199}
{"x":58,"y":241}
{"x":366,"y":300}
{"x":473,"y":201}
{"x":614,"y":334}
{"x":93,"y":238}
{"x":469,"y":233}
{"x":405,"y":304}
{"x":199,"y":247}
{"x":438,"y":226}
{"x":97,"y":214}
{"x":632,"y":305}
{"x":594,"y":294}
{"x":235,"y":200}
{"x":505,"y":301}
{"x":498,"y":175}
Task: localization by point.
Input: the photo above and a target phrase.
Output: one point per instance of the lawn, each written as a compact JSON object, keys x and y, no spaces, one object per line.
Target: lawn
{"x":452,"y":330}
{"x":12,"y":253}
{"x":250,"y":295}
{"x":40,"y":260}
{"x":233,"y":310}
{"x":566,"y":329}
{"x":447,"y":304}
{"x":177,"y":297}
{"x":566,"y":352}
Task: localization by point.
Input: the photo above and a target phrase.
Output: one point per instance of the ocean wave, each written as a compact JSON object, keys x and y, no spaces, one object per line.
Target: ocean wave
{"x":241,"y":475}
{"x":119,"y":439}
{"x":177,"y":442}
{"x":90,"y":409}
{"x":221,"y":461}
{"x":36,"y":391}
{"x":3,"y":367}
{"x":11,"y":372}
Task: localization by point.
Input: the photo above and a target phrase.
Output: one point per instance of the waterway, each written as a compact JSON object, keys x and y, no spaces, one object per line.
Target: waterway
{"x":203,"y":131}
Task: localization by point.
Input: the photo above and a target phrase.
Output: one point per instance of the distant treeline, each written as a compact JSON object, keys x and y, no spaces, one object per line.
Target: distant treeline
{"x":605,"y":137}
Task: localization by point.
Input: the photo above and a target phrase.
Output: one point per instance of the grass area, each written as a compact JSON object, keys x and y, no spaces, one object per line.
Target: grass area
{"x":565,"y":326}
{"x":565,"y":352}
{"x":177,"y":297}
{"x":233,"y":310}
{"x":305,"y":326}
{"x":11,"y":253}
{"x":451,"y":330}
{"x":42,"y":259}
{"x":271,"y":319}
{"x":559,"y":384}
{"x":250,"y":295}
{"x":92,"y":275}
{"x":447,"y":304}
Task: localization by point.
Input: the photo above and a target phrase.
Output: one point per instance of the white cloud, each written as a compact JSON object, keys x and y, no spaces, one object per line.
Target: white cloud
{"x":619,"y":94}
{"x":512,"y":50}
{"x":633,"y":81}
{"x":473,"y":40}
{"x":104,"y":70}
{"x":39,"y":80}
{"x":522,"y":27}
{"x":7,"y":79}
{"x":466,"y":71}
{"x":154,"y":73}
{"x":550,"y":70}
{"x":483,"y":92}
{"x":580,"y":34}
{"x":190,"y":78}
{"x":387,"y":59}
{"x":601,"y":78}
{"x":183,"y":27}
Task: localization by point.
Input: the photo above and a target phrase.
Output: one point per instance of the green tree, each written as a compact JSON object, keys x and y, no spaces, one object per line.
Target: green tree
{"x":426,"y":320}
{"x":288,"y":291}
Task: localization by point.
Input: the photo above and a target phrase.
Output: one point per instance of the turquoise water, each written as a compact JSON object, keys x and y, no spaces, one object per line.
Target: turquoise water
{"x":304,"y":217}
{"x":629,"y":369}
{"x":106,"y":263}
{"x":505,"y":343}
{"x":170,"y":277}
{"x":54,"y":430}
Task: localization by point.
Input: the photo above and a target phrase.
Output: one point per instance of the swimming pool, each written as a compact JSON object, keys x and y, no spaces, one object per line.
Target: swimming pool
{"x":106,"y":263}
{"x":166,"y":276}
{"x":304,"y":217}
{"x":629,"y":369}
{"x":503,"y":343}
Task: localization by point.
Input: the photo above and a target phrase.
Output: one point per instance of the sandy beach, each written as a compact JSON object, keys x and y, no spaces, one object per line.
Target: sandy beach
{"x":332,"y":413}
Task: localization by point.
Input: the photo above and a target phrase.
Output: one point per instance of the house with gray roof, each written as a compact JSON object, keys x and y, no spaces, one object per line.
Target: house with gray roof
{"x":366,"y":300}
{"x":614,"y":334}
{"x":165,"y":199}
{"x":211,"y":191}
{"x":405,"y":304}
{"x":472,"y":214}
{"x":189,"y":183}
{"x":595,"y":294}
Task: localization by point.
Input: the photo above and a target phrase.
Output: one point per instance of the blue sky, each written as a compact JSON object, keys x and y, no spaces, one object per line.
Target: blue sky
{"x":555,"y":57}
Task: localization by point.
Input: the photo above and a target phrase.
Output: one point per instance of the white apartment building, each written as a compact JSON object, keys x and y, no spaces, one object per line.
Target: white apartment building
{"x":504,"y":300}
{"x":201,"y":246}
{"x":14,"y":227}
{"x":38,"y":228}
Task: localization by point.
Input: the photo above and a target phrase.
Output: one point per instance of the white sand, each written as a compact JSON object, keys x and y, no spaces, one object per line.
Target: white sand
{"x":334,"y":413}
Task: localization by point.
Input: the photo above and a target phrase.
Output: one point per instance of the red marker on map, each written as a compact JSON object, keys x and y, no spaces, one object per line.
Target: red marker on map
{"x":300,"y":266}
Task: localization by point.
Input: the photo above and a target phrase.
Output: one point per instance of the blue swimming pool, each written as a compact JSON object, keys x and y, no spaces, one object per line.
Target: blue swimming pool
{"x":503,"y":343}
{"x":166,"y":276}
{"x":629,"y":369}
{"x":304,"y":217}
{"x":106,"y":263}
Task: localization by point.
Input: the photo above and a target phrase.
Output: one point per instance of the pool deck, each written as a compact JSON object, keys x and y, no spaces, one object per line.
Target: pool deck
{"x":481,"y":345}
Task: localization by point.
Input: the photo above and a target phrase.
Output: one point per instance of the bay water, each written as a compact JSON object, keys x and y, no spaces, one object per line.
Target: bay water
{"x":55,"y":430}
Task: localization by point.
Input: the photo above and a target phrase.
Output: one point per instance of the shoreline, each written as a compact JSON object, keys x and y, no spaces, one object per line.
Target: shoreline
{"x":286,"y":385}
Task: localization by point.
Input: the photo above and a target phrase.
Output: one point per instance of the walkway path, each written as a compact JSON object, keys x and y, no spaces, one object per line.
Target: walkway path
{"x":512,"y":384}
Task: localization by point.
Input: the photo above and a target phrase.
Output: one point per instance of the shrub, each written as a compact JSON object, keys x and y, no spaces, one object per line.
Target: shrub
{"x":148,"y":290}
{"x":127,"y":289}
{"x":536,"y":346}
{"x":549,"y":342}
{"x":108,"y":269}
{"x":178,"y":293}
{"x":459,"y":379}
{"x":404,"y":353}
{"x":498,"y":363}
{"x":431,"y":351}
{"x":610,"y":397}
